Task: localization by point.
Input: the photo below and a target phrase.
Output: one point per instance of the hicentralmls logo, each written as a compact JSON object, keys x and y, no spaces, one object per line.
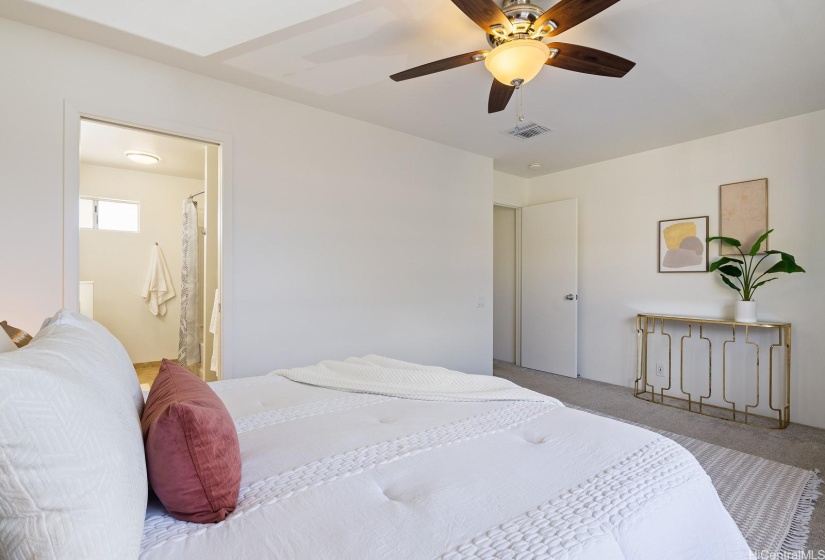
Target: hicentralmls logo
{"x":798,"y":555}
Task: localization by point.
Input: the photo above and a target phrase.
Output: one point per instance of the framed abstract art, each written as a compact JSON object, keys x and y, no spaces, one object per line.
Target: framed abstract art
{"x":743,"y":213}
{"x":683,"y":245}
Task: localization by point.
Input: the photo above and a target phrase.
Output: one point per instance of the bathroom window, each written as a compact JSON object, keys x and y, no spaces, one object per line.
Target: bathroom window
{"x":109,"y":215}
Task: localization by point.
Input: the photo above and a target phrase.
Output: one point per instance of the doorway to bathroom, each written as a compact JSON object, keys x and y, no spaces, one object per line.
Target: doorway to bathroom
{"x":149,"y":245}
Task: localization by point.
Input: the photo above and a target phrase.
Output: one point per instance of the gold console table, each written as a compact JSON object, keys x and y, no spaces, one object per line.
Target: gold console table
{"x":775,"y":415}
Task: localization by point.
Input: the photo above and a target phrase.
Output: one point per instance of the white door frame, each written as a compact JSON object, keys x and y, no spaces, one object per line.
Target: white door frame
{"x":518,"y":278}
{"x":73,"y":112}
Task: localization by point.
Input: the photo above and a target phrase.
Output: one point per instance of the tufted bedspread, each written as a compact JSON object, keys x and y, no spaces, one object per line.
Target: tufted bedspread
{"x":335,"y":474}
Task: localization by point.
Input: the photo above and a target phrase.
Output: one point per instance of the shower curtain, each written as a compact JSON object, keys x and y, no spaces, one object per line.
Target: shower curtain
{"x":188,"y":336}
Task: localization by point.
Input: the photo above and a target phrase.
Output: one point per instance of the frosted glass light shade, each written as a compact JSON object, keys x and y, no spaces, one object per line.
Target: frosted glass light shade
{"x":143,"y":157}
{"x":521,"y":59}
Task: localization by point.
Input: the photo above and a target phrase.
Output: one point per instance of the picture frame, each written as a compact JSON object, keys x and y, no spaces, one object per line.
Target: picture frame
{"x":743,"y":214}
{"x":683,"y":244}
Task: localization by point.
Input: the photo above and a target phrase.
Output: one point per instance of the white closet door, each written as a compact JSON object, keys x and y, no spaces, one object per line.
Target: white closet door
{"x":549,"y":277}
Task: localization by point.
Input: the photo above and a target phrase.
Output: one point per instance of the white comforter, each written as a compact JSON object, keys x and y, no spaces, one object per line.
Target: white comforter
{"x":333,"y":474}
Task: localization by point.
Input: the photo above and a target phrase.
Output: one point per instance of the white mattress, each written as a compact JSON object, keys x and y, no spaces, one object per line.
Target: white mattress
{"x":333,"y":474}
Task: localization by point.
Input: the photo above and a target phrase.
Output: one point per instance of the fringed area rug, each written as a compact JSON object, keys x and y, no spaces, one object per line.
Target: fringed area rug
{"x":772,"y":503}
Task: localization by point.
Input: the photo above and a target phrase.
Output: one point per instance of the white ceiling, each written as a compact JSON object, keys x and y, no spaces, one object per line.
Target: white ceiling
{"x":104,"y":144}
{"x":203,"y":27}
{"x":703,"y":67}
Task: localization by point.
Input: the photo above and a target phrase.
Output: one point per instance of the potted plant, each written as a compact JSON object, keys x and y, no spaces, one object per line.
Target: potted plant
{"x":744,"y":275}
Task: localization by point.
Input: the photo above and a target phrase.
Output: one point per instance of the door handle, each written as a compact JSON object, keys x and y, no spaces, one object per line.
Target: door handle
{"x":571,"y":297}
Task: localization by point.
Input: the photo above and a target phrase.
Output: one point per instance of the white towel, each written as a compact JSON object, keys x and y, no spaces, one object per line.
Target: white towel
{"x":157,"y":289}
{"x":213,"y":328}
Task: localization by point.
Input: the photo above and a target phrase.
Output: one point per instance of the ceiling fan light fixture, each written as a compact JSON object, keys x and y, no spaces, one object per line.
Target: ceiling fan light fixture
{"x":521,"y":59}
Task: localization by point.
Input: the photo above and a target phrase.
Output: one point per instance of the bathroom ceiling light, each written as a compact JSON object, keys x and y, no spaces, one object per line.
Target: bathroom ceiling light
{"x":143,"y":157}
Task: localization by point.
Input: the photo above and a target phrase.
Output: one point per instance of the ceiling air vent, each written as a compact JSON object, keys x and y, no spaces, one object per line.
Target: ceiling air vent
{"x":527,"y":130}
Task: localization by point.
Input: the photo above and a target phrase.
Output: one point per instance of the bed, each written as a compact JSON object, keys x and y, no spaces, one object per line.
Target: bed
{"x":369,"y":458}
{"x":363,"y":468}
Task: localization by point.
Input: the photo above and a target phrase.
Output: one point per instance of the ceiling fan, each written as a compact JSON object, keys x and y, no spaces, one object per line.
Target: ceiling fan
{"x":516,"y":34}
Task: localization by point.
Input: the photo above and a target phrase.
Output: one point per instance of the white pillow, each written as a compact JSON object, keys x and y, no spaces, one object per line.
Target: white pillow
{"x":6,"y":343}
{"x":111,"y":353}
{"x":72,"y":467}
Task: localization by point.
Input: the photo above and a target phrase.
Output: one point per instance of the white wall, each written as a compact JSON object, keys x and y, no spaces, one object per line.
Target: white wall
{"x":117,"y":261}
{"x":504,"y":284}
{"x":349,"y":238}
{"x":509,"y":190}
{"x":620,"y":204}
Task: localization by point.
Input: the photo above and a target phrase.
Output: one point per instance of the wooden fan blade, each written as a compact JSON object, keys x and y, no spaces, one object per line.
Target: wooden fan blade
{"x":486,"y":14}
{"x":589,"y":61}
{"x":569,"y":13}
{"x":438,"y":66}
{"x":499,"y":97}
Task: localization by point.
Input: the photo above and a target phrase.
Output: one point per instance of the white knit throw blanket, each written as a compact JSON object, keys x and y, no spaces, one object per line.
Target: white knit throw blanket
{"x":385,"y":376}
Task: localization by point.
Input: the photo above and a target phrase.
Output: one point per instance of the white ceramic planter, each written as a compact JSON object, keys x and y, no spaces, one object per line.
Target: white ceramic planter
{"x":745,"y":312}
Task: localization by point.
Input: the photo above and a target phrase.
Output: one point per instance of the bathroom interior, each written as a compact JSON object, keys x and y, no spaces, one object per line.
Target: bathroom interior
{"x":149,"y":245}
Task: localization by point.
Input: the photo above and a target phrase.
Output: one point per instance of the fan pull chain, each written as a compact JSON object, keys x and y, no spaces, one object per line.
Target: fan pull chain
{"x":520,"y":110}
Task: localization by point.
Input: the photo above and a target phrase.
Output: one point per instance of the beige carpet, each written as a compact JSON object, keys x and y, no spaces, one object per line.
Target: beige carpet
{"x":800,"y":446}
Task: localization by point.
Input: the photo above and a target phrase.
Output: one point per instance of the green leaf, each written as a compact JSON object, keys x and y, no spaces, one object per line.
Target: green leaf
{"x":755,"y":249}
{"x":731,"y":270}
{"x":724,"y":260}
{"x":787,"y":267}
{"x":729,"y":283}
{"x":791,"y":262}
{"x":788,"y":257}
{"x":728,"y":240}
{"x":787,"y":264}
{"x":762,"y":282}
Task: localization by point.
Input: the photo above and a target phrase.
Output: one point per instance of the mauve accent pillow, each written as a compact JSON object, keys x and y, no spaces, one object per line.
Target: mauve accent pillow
{"x":192,"y":453}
